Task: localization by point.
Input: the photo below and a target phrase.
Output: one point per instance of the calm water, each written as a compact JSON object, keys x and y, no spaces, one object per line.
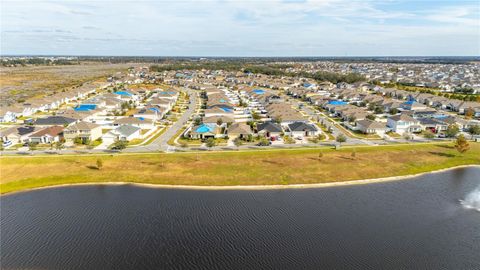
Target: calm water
{"x":399,"y":225}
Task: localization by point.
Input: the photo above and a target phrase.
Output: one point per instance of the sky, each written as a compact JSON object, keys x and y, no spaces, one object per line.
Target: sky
{"x":241,"y":27}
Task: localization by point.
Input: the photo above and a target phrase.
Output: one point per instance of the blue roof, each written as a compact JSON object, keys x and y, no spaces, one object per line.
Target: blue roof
{"x":222,"y":100}
{"x":154,"y":109}
{"x":141,"y":118}
{"x":123,"y":93}
{"x":307,"y":84}
{"x":226,"y":109}
{"x":337,"y":102}
{"x":259,"y":91}
{"x":410,"y":102}
{"x":85,"y":107}
{"x":204,"y":128}
{"x":167,"y":92}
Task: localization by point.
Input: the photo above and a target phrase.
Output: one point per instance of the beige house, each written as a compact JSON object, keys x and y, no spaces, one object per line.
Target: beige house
{"x":371,"y":127}
{"x":84,"y":130}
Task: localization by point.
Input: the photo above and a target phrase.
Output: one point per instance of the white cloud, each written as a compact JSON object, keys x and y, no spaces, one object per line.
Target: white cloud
{"x":247,"y":27}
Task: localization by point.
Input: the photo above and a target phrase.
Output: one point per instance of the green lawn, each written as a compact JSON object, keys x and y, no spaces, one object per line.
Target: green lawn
{"x":256,"y":167}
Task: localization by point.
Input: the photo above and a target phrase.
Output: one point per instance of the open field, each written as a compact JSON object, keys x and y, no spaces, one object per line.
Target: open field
{"x":299,"y":166}
{"x":22,"y":83}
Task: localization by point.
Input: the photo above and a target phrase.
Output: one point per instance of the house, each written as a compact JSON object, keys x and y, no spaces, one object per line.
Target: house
{"x":433,"y":124}
{"x":55,"y":121}
{"x":17,"y":134}
{"x":84,"y":130}
{"x":302,"y":129}
{"x":219,"y":111}
{"x":152,"y":112}
{"x":205,"y":131}
{"x":403,"y":123}
{"x":371,"y":127}
{"x":412,"y":105}
{"x":122,"y":133}
{"x":143,"y":123}
{"x":239,"y":130}
{"x":269,"y":129}
{"x":218,"y":119}
{"x":47,"y":135}
{"x":9,"y":114}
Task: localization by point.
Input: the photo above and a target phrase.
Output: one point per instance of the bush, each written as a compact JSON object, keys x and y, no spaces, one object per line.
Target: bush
{"x":428,"y":134}
{"x":452,"y":130}
{"x":288,"y":140}
{"x":119,"y":145}
{"x":264,"y":142}
{"x":341,"y":138}
{"x":210,"y":142}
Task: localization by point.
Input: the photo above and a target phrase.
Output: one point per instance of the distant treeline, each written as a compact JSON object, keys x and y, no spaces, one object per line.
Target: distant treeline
{"x":465,"y":94}
{"x":273,"y":70}
{"x":38,"y":62}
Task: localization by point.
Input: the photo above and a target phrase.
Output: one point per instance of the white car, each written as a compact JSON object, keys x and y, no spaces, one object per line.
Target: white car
{"x":6,"y":143}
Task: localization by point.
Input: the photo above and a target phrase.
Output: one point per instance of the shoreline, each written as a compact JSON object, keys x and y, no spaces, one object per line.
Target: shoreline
{"x":252,"y":187}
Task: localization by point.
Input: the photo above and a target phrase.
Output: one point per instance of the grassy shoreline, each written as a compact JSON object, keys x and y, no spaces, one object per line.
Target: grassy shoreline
{"x":249,"y":168}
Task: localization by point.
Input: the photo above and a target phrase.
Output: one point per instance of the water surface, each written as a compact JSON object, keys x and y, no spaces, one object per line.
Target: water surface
{"x":412,"y":224}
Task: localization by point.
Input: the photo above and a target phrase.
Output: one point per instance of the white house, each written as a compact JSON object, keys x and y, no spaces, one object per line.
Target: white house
{"x":403,"y":123}
{"x":122,"y":133}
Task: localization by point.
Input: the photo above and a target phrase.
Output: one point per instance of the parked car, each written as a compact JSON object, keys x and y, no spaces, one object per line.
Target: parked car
{"x":7,"y":143}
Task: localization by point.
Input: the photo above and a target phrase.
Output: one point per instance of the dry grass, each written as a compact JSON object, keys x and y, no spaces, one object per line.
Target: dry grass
{"x":22,"y":83}
{"x":234,"y":168}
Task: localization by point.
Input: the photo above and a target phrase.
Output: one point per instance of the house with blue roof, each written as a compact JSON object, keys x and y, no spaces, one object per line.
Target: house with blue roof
{"x":127,"y":96}
{"x":205,"y":131}
{"x":412,"y":105}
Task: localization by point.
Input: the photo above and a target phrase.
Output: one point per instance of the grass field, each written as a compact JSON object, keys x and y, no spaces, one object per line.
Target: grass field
{"x":23,"y":83}
{"x":234,"y":168}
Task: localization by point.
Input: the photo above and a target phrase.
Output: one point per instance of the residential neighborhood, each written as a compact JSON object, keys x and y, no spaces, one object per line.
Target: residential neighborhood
{"x":220,"y":108}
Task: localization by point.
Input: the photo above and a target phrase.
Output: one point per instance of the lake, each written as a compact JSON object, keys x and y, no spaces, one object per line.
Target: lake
{"x":408,"y":224}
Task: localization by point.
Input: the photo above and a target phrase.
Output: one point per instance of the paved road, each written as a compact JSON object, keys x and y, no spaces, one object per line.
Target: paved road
{"x":322,"y":118}
{"x":161,"y":143}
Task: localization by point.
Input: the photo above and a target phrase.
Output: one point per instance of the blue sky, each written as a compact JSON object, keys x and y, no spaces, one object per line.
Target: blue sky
{"x":241,"y":28}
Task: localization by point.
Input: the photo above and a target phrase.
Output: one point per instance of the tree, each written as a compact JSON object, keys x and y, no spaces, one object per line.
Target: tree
{"x":59,"y":146}
{"x":197,"y":121}
{"x":288,"y":140}
{"x":393,"y":111}
{"x":452,"y":131}
{"x":238,"y":142}
{"x":371,"y":117}
{"x":320,"y":155}
{"x":461,"y":144}
{"x":474,"y":130}
{"x":255,"y":116}
{"x":341,"y":138}
{"x":32,"y":146}
{"x":277,"y":120}
{"x":219,"y":121}
{"x":378,"y":110}
{"x":469,"y":113}
{"x":407,"y":136}
{"x":210,"y":142}
{"x":264,"y":142}
{"x":354,"y":153}
{"x":99,"y":164}
{"x":119,"y":145}
{"x":428,"y":134}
